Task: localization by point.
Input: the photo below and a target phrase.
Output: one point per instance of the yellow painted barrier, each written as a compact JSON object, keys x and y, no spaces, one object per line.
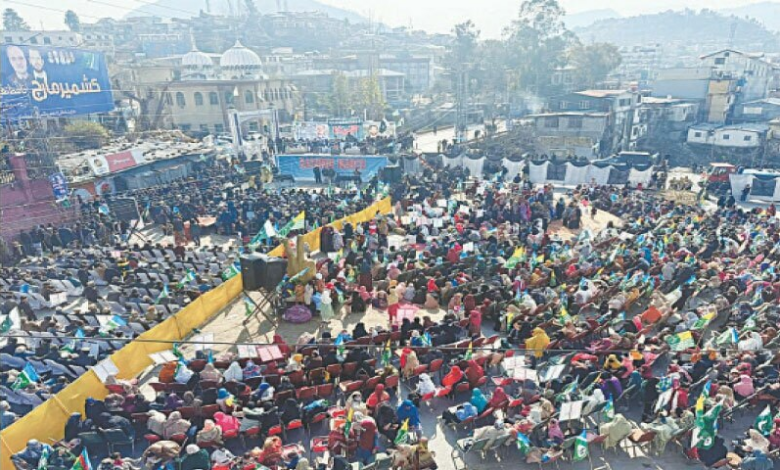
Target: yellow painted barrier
{"x":47,"y":421}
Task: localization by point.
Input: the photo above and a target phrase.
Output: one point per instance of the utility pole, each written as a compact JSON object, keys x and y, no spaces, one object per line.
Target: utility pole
{"x":461,"y":104}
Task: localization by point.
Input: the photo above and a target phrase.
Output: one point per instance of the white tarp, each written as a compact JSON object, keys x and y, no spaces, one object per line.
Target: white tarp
{"x":577,"y":174}
{"x":411,"y":165}
{"x":599,"y":175}
{"x":453,"y":162}
{"x":474,"y":165}
{"x":538,"y":173}
{"x":513,"y":168}
{"x":636,"y":176}
{"x":738,"y":183}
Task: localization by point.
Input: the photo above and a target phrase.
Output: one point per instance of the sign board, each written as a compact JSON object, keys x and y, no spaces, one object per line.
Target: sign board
{"x":104,"y":164}
{"x":301,"y":167}
{"x":680,"y":197}
{"x":125,"y":208}
{"x":341,"y":128}
{"x":52,"y":82}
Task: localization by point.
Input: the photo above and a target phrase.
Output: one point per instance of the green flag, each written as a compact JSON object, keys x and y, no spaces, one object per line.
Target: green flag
{"x":249,"y":307}
{"x":11,"y":321}
{"x":403,"y":433}
{"x":189,"y":277}
{"x":764,"y":421}
{"x":231,"y":271}
{"x":43,"y":461}
{"x":297,"y":223}
{"x":581,"y":446}
{"x":26,"y":377}
{"x":523,"y":443}
{"x":608,"y":413}
{"x":706,"y":427}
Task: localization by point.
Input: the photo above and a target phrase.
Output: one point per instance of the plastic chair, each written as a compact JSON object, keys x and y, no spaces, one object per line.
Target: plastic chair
{"x":117,"y":437}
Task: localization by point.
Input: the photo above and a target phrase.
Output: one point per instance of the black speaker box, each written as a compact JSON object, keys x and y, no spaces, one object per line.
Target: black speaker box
{"x":260,"y":271}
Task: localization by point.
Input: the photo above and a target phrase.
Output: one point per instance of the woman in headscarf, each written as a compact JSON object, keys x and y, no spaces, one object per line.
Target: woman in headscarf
{"x":499,"y":398}
{"x":196,"y":459}
{"x":367,"y":440}
{"x":303,"y":464}
{"x":173,"y":402}
{"x":227,"y":423}
{"x":188,"y":399}
{"x":393,"y":305}
{"x":455,"y":305}
{"x":378,"y":397}
{"x":744,"y":386}
{"x":475,"y":323}
{"x":225,"y":400}
{"x":756,"y":441}
{"x":295,"y":363}
{"x":454,"y":376}
{"x":356,"y":404}
{"x":155,"y":422}
{"x":272,"y":451}
{"x":537,"y":343}
{"x":407,"y":411}
{"x":612,"y":363}
{"x":409,"y":362}
{"x":290,"y":411}
{"x":74,"y":426}
{"x":478,"y":400}
{"x":359,"y":331}
{"x":425,"y":386}
{"x":210,"y":373}
{"x":474,"y":371}
{"x":757,"y":460}
{"x":616,"y":430}
{"x":251,"y":370}
{"x":210,"y":435}
{"x":283,"y":347}
{"x":364,"y":278}
{"x":326,"y":306}
{"x":175,"y":426}
{"x":264,"y":393}
{"x":234,"y":373}
{"x":554,"y":433}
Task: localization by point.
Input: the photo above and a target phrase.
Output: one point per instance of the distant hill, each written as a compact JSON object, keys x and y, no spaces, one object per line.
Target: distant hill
{"x":189,"y":8}
{"x":587,"y":18}
{"x":767,"y":13}
{"x":685,"y":26}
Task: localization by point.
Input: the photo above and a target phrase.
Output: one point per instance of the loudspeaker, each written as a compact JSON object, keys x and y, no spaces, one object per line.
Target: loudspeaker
{"x":262,"y":272}
{"x":392,"y":174}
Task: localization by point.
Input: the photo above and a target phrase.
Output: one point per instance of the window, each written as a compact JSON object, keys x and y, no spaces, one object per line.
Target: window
{"x":624,"y":102}
{"x":229,"y":97}
{"x":33,"y":40}
{"x":575,"y":122}
{"x":198,"y":98}
{"x":219,"y":128}
{"x":249,"y":97}
{"x":584,"y":105}
{"x":253,"y":126}
{"x":720,"y":60}
{"x":186,"y":127}
{"x":180,"y":101}
{"x":551,"y":122}
{"x":8,"y":39}
{"x":726,"y":137}
{"x":697,"y":134}
{"x":46,"y":40}
{"x":747,"y":138}
{"x":204,"y":127}
{"x":213,"y":98}
{"x":564,"y":105}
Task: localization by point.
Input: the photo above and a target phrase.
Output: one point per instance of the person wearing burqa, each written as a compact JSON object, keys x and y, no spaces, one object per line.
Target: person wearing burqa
{"x":478,"y":400}
{"x":407,"y":411}
{"x":195,"y":459}
{"x":386,"y":420}
{"x":290,"y":411}
{"x":367,"y":441}
{"x":649,"y":396}
{"x":714,"y":454}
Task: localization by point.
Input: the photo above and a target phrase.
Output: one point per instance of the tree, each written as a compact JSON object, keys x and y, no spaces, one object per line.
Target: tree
{"x":370,"y":97}
{"x":13,"y":22}
{"x":86,"y":134}
{"x":251,"y":9}
{"x":537,"y":42}
{"x":72,"y":21}
{"x":594,"y":62}
{"x":340,"y":98}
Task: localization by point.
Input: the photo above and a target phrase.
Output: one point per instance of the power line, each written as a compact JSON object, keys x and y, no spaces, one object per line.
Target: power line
{"x":49,"y":8}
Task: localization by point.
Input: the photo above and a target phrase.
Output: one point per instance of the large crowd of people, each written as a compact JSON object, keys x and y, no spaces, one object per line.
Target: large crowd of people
{"x":523,"y":330}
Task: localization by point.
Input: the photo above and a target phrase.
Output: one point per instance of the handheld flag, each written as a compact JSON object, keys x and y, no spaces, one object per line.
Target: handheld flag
{"x":523,"y":443}
{"x":387,"y":354}
{"x":177,"y":352}
{"x":27,"y":377}
{"x":340,"y":348}
{"x":71,"y":346}
{"x":681,"y":341}
{"x":403,"y":433}
{"x":348,"y":424}
{"x":82,"y":462}
{"x":164,"y":294}
{"x":189,"y":277}
{"x":581,"y":447}
{"x":469,"y":351}
{"x":249,"y":307}
{"x":12,"y":321}
{"x":231,"y":271}
{"x":608,"y":413}
{"x":706,"y":428}
{"x":43,"y":461}
{"x":763,"y":422}
{"x":297,"y":223}
{"x":115,"y":322}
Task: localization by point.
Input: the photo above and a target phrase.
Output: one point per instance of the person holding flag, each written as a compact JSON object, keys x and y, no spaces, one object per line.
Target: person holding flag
{"x":34,"y":455}
{"x":28,"y":376}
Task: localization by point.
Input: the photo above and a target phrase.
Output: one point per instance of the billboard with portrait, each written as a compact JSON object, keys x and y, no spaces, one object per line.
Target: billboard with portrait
{"x":52,"y":82}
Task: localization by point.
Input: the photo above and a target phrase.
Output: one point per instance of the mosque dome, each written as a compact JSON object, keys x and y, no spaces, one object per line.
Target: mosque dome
{"x":238,"y":62}
{"x":196,"y":58}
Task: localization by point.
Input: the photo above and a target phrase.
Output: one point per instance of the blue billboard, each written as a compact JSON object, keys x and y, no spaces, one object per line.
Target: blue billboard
{"x":302,"y":166}
{"x":52,"y":82}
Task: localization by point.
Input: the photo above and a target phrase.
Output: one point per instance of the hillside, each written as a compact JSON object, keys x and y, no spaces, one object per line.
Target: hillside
{"x":188,"y":8}
{"x":587,"y":18}
{"x":766,"y":13}
{"x":688,"y":27}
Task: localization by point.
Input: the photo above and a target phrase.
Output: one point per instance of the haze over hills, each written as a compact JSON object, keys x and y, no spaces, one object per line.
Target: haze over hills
{"x":187,"y":8}
{"x":767,"y":13}
{"x":681,"y":26}
{"x":587,"y":18}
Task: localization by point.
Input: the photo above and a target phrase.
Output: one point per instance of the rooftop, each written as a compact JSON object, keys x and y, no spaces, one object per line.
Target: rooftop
{"x":600,"y":93}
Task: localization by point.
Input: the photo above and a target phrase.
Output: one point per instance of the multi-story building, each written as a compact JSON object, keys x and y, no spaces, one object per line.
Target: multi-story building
{"x":63,"y":38}
{"x":753,"y":73}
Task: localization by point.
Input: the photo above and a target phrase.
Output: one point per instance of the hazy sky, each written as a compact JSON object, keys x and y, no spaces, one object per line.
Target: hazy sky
{"x":431,"y":15}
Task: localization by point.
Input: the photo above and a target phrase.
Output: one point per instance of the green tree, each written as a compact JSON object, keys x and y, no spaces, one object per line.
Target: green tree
{"x":86,"y":134}
{"x":13,"y":22}
{"x":340,"y":98}
{"x":537,"y":42}
{"x":72,"y":21}
{"x":594,"y":62}
{"x":370,"y":97}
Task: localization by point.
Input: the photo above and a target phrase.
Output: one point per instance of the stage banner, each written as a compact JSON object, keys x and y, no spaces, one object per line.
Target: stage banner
{"x":341,"y":128}
{"x":52,"y":82}
{"x":301,"y":167}
{"x":311,"y":130}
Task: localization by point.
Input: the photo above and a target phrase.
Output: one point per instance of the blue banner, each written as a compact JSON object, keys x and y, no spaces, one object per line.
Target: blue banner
{"x":302,"y":166}
{"x":59,"y":186}
{"x":52,"y":81}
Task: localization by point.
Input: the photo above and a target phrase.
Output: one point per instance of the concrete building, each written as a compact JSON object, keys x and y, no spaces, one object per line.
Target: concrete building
{"x":194,"y":92}
{"x":745,"y":136}
{"x":753,"y":72}
{"x":659,"y":121}
{"x":572,"y":133}
{"x":619,"y":106}
{"x":321,"y":81}
{"x":63,"y":38}
{"x":715,"y":91}
{"x":763,"y":110}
